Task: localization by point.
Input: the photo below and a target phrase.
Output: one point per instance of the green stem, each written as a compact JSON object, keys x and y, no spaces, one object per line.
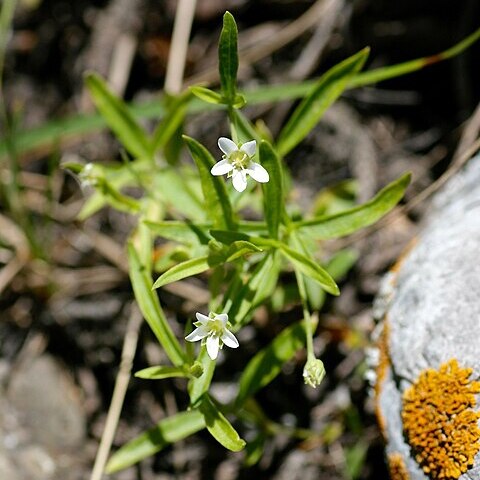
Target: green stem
{"x":303,"y":295}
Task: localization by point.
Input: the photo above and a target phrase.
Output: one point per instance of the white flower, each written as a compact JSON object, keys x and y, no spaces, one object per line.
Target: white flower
{"x":237,"y":163}
{"x":213,"y":332}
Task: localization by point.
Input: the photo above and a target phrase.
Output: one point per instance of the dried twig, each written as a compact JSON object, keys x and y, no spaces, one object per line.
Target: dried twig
{"x":179,"y":46}
{"x":121,"y":384}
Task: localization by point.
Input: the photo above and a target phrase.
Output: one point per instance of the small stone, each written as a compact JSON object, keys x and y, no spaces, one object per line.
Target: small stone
{"x":48,"y":403}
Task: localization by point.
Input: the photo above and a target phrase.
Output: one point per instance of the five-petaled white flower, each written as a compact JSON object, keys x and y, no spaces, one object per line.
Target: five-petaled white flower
{"x":237,"y":163}
{"x":213,"y":332}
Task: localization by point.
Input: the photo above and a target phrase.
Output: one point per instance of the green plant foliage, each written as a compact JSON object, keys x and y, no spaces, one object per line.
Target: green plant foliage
{"x":228,"y":58}
{"x":160,"y":372}
{"x":267,"y":363}
{"x":273,"y":197}
{"x":118,"y":117}
{"x":250,"y":245}
{"x":219,"y":427}
{"x":151,"y":309}
{"x":349,"y":221}
{"x":215,"y":194}
{"x":169,"y":430}
{"x":325,"y":92}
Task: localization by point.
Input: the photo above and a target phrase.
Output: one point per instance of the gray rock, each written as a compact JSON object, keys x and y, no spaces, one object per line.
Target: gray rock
{"x":432,"y":307}
{"x":48,"y":402}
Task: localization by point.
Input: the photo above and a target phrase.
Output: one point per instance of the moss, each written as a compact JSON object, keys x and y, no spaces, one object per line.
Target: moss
{"x":439,"y":421}
{"x":396,"y":467}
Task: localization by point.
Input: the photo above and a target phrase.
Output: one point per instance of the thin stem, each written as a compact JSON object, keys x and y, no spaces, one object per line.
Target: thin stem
{"x":306,"y":313}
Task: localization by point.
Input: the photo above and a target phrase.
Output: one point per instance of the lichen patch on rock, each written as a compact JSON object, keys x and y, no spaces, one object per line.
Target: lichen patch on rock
{"x":439,"y":421}
{"x":396,"y":467}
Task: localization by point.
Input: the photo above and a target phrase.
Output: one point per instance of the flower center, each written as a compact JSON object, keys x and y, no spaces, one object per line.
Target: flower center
{"x":239,"y":159}
{"x":216,"y":327}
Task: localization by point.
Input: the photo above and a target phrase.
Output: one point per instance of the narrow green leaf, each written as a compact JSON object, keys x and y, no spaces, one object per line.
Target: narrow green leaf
{"x":206,"y":94}
{"x":181,"y":231}
{"x":118,"y":117}
{"x":116,"y":199}
{"x":326,"y":91}
{"x":392,"y":71}
{"x":185,"y":269}
{"x":268,"y":362}
{"x":228,"y":58}
{"x":219,"y":427}
{"x":52,"y":134}
{"x":272,"y":190}
{"x":254,"y":450}
{"x":259,"y":287}
{"x":239,"y":249}
{"x":338,"y":266}
{"x":169,"y":430}
{"x":311,"y":269}
{"x":180,"y":191}
{"x":160,"y":372}
{"x":344,"y":223}
{"x":174,"y":117}
{"x":226,"y":237}
{"x":151,"y":309}
{"x":217,"y":202}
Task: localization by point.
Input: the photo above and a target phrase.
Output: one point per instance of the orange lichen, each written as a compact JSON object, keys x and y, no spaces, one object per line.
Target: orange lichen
{"x":439,"y":422}
{"x":381,"y":371}
{"x":396,"y":467}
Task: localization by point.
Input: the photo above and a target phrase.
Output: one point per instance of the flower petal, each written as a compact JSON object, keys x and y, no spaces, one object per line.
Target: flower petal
{"x":203,"y":319}
{"x":249,"y":148}
{"x":198,"y":334}
{"x":223,"y":317}
{"x":258,"y":173}
{"x":229,"y":339}
{"x":222,"y":167}
{"x":213,"y":345}
{"x":239,"y":180}
{"x":227,"y":146}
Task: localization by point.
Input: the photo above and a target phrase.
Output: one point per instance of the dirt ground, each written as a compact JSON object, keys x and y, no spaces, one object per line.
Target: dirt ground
{"x":66,"y":303}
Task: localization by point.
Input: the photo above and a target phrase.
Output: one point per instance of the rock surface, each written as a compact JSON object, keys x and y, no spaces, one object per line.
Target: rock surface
{"x":430,"y":310}
{"x":42,"y":423}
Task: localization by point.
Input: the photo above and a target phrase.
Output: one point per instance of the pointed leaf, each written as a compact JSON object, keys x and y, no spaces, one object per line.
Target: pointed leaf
{"x":272,"y":190}
{"x":181,"y":231}
{"x":259,"y":287}
{"x":174,"y":117}
{"x":217,"y":202}
{"x":185,"y":269}
{"x":151,"y":310}
{"x":160,"y":372}
{"x":311,"y":269}
{"x":325,"y":92}
{"x":206,"y":94}
{"x":344,"y":223}
{"x":219,"y":427}
{"x":228,"y":58}
{"x":118,"y":117}
{"x":169,"y":430}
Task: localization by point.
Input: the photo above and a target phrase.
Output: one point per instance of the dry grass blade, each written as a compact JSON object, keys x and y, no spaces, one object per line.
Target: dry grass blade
{"x":121,"y":384}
